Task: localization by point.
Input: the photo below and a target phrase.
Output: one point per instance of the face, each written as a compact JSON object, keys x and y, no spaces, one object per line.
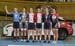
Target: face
{"x":39,"y":10}
{"x":15,"y":10}
{"x":54,"y":11}
{"x":46,"y":10}
{"x":31,"y":9}
{"x":24,"y":10}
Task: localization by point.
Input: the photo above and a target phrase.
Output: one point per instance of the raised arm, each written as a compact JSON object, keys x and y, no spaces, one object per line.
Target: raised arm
{"x":6,"y":10}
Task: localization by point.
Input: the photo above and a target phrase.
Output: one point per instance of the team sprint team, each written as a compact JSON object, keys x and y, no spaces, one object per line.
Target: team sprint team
{"x":27,"y":22}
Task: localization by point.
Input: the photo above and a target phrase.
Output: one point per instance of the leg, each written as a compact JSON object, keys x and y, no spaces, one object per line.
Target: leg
{"x":22,"y":32}
{"x":56,"y":34}
{"x":45,"y":35}
{"x":15,"y":32}
{"x":48,"y":35}
{"x":36,"y":34}
{"x":24,"y":28}
{"x":15,"y":35}
{"x":29,"y":34}
{"x":40,"y":34}
{"x":33,"y":35}
{"x":18,"y":32}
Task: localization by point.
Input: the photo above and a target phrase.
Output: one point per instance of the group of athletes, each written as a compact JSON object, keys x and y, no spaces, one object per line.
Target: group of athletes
{"x":25,"y":23}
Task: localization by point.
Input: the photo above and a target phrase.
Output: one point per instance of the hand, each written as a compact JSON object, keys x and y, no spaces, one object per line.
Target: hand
{"x":20,"y":22}
{"x":5,"y":6}
{"x":35,"y":23}
{"x":6,"y":9}
{"x":51,"y":23}
{"x":56,"y":25}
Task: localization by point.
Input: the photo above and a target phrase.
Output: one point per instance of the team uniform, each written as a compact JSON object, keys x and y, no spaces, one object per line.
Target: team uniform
{"x":31,"y":24}
{"x":16,"y":19}
{"x":39,"y":21}
{"x":47,"y":20}
{"x":55,"y":20}
{"x":23,"y":20}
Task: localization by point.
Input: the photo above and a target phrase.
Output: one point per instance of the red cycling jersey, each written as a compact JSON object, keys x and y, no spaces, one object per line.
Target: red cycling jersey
{"x":31,"y":17}
{"x":38,"y":17}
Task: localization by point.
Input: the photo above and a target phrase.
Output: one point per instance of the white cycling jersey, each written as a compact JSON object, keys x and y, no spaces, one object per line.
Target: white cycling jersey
{"x":31,"y":17}
{"x":39,"y":18}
